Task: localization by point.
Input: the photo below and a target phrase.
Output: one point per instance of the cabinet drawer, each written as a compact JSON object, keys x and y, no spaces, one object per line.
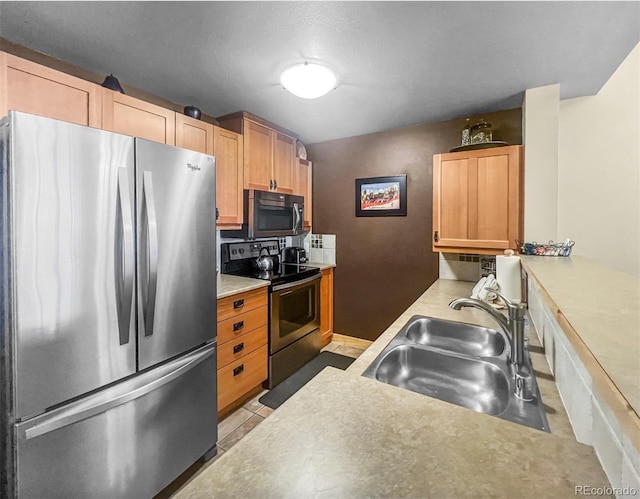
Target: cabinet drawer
{"x":241,"y":324}
{"x":232,"y":306}
{"x":242,"y":345}
{"x":237,"y":378}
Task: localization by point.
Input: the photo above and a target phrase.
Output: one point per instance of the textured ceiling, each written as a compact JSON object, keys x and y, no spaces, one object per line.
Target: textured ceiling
{"x":398,"y":63}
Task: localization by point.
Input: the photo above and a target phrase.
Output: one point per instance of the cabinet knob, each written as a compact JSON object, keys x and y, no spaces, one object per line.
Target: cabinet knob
{"x":238,"y":304}
{"x":275,"y":184}
{"x":238,"y":370}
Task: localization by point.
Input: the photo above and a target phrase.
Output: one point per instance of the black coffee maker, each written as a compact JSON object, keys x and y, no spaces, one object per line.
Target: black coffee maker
{"x":294,"y":254}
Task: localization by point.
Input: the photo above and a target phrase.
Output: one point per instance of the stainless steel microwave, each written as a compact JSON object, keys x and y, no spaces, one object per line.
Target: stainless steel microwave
{"x":269,"y":214}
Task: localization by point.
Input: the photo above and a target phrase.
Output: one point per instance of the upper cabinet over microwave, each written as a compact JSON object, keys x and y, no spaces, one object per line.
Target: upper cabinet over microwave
{"x":269,"y":152}
{"x":478,"y":200}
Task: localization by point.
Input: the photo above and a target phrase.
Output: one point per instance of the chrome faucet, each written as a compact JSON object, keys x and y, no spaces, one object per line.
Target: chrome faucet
{"x":513,"y":327}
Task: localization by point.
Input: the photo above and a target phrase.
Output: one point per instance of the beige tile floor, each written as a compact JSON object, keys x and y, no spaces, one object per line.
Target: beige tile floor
{"x":239,"y":423}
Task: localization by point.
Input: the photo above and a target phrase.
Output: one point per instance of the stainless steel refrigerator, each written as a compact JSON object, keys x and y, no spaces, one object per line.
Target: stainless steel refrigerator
{"x":108,"y":320}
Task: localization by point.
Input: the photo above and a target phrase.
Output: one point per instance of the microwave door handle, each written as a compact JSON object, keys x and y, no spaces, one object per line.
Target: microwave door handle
{"x":296,"y":217}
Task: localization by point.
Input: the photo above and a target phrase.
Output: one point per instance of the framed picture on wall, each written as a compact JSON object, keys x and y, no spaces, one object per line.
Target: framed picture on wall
{"x":381,"y":196}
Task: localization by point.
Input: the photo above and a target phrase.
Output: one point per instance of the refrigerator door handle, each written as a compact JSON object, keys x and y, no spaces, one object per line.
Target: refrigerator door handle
{"x":149,"y":304}
{"x":82,"y":410}
{"x":124,"y":256}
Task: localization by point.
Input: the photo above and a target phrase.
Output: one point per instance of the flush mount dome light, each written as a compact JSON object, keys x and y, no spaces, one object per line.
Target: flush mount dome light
{"x":308,"y":80}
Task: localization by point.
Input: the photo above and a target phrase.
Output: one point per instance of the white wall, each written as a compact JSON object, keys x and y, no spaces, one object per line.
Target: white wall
{"x":583,"y":158}
{"x":540,"y":134}
{"x":599,"y":174}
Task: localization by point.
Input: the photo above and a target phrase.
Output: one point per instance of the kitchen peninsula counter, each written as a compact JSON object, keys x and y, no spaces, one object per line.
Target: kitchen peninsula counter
{"x":343,"y":435}
{"x":602,"y":308}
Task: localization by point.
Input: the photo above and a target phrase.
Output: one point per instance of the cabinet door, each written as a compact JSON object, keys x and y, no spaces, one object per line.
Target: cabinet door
{"x":228,"y":150}
{"x":130,"y":116}
{"x":35,"y":89}
{"x":258,"y":156}
{"x":326,"y":306}
{"x":284,"y":161}
{"x":477,"y":198}
{"x":303,"y":188}
{"x":194,"y":134}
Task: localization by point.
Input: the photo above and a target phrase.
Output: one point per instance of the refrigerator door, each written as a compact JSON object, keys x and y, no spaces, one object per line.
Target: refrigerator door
{"x":176,"y":192}
{"x":72,"y":254}
{"x":129,"y":440}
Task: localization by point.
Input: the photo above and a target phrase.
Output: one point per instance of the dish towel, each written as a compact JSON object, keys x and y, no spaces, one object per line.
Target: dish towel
{"x":483,"y":290}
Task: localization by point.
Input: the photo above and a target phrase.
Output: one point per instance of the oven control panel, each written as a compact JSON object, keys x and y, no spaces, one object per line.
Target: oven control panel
{"x":250,"y":249}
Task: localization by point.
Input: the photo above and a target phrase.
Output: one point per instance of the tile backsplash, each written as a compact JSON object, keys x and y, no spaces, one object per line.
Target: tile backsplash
{"x":321,"y":248}
{"x":460,"y":267}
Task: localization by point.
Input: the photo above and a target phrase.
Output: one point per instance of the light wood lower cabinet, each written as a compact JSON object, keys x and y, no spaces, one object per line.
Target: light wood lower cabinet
{"x":242,"y":346}
{"x":125,"y":114}
{"x":326,"y":306}
{"x":32,"y":88}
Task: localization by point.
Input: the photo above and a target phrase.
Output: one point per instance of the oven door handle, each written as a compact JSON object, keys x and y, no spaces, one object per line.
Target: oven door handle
{"x":290,"y":285}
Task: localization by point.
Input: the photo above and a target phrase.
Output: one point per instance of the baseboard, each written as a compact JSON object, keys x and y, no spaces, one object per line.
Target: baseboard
{"x":351,"y":341}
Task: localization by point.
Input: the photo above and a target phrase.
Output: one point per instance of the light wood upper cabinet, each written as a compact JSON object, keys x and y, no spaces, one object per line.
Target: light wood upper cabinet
{"x":258,"y":157}
{"x":125,"y":114}
{"x":284,"y":162}
{"x":194,"y":134}
{"x":269,"y":152}
{"x":228,"y":150}
{"x":477,"y":200}
{"x":303,"y":187}
{"x":32,"y":88}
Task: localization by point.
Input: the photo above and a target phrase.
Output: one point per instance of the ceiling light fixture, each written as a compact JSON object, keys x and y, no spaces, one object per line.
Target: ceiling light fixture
{"x":308,"y":80}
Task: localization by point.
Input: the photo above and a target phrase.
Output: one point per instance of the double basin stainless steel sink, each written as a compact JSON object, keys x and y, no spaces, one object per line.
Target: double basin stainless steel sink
{"x":459,"y":363}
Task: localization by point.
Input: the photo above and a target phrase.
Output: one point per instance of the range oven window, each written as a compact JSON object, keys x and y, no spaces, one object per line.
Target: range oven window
{"x":297,"y":309}
{"x":274,"y":217}
{"x":295,"y":312}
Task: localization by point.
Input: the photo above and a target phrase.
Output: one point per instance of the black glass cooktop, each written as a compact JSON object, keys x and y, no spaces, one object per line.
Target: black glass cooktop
{"x":281,"y":273}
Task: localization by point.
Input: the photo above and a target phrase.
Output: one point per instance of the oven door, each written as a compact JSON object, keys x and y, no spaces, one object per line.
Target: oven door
{"x":274,"y":214}
{"x":295,"y":312}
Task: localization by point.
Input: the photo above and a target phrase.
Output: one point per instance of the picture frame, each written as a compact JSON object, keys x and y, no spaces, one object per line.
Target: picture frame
{"x":381,"y":196}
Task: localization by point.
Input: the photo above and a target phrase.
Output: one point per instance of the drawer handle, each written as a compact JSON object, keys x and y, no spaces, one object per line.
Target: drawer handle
{"x":238,"y":304}
{"x":238,"y":326}
{"x":238,"y":348}
{"x":238,"y":370}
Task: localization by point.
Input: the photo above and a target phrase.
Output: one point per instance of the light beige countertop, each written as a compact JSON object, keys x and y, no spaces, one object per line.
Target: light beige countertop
{"x":343,"y":435}
{"x":603,"y":307}
{"x":229,"y":285}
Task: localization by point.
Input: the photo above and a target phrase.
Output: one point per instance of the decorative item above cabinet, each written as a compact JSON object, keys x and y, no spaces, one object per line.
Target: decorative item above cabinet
{"x":478,"y":200}
{"x":269,"y":152}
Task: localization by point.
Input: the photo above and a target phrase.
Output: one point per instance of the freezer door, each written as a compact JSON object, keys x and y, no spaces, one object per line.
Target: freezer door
{"x":176,"y":250}
{"x":72,"y":252}
{"x":131,"y":440}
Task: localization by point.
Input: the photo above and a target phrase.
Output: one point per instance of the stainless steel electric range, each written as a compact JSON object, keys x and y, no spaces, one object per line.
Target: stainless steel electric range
{"x":294,"y":304}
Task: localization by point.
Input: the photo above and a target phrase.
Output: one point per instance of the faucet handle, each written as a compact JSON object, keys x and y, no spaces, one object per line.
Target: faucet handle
{"x":507,"y":301}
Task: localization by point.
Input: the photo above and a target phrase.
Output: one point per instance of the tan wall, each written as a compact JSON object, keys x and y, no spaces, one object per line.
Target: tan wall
{"x":590,"y":172}
{"x":540,"y":134}
{"x":384,"y":264}
{"x":599,"y":170}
